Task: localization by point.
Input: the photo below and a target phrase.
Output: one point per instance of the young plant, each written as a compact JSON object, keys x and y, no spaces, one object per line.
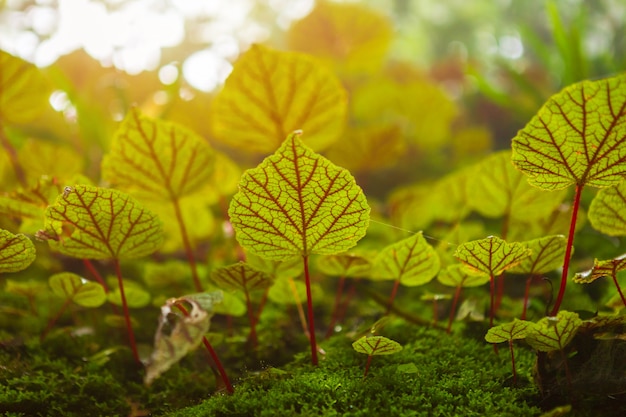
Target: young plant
{"x":375,"y":345}
{"x":607,"y":211}
{"x":459,"y":276}
{"x":492,"y":256}
{"x":17,"y":252}
{"x":298,"y":203}
{"x":517,"y":329}
{"x":577,"y":138}
{"x":89,"y":222}
{"x":608,"y":268}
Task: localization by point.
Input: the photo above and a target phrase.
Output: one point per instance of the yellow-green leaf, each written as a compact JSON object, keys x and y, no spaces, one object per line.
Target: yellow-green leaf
{"x":491,"y":255}
{"x":553,"y":333}
{"x":577,"y":137}
{"x":411,"y":261}
{"x":458,"y":275}
{"x":99,"y":223}
{"x":607,"y":268}
{"x":136,"y":296}
{"x":291,"y":268}
{"x":70,"y":286}
{"x":296,"y":202}
{"x":517,"y":329}
{"x":607,"y":212}
{"x":270,"y":94}
{"x":546,"y":255}
{"x":240,"y":276}
{"x":349,"y":264}
{"x":17,"y":252}
{"x":29,"y":203}
{"x":376,"y":345}
{"x":43,"y":158}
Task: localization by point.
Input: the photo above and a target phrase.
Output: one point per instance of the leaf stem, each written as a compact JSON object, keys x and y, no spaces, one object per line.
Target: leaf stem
{"x":367,"y":365}
{"x":619,"y":290}
{"x":54,"y":319}
{"x":492,"y":289}
{"x":568,"y":250}
{"x":392,"y":297}
{"x":252,"y":335}
{"x":129,"y":326}
{"x":187,"y":244}
{"x":333,"y":317}
{"x":309,"y":301}
{"x":513,"y":361}
{"x":457,"y":295}
{"x":89,"y":265}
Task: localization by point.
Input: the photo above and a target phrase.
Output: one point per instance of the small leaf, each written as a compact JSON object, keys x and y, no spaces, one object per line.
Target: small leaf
{"x":517,"y":329}
{"x":41,"y":158}
{"x":345,"y":264}
{"x":136,"y":296}
{"x":553,"y":333}
{"x":29,"y":204}
{"x":17,"y":252}
{"x":241,"y":276}
{"x":607,"y":212}
{"x":458,"y":275}
{"x":411,"y":261}
{"x":547,"y":254}
{"x":70,"y":286}
{"x":298,"y":203}
{"x":608,"y":268}
{"x":577,"y":137}
{"x":270,"y":94}
{"x":98,"y":223}
{"x":491,"y":255}
{"x":376,"y":345}
{"x":291,"y":268}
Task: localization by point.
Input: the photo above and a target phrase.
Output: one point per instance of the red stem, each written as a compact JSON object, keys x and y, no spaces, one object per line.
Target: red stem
{"x":619,"y":290}
{"x":568,"y":250}
{"x":529,"y":280}
{"x":333,"y":317}
{"x":500,"y":291}
{"x":262,"y":303}
{"x":129,"y":326}
{"x":187,"y":245}
{"x":89,"y":265}
{"x":367,"y":365}
{"x":347,"y":299}
{"x":54,"y":319}
{"x":492,"y":284}
{"x":513,"y":361}
{"x":252,"y":336}
{"x":457,"y":295}
{"x":309,"y":302}
{"x":394,"y":291}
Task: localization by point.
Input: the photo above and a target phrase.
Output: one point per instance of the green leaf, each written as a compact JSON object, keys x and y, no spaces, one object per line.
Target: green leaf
{"x":298,"y":203}
{"x":376,"y":345}
{"x":607,"y":212}
{"x":291,"y":268}
{"x":608,"y":268}
{"x":136,"y":296}
{"x":156,"y":159}
{"x":241,"y":276}
{"x":345,"y":264}
{"x":491,"y":255}
{"x":29,"y":203}
{"x":458,"y":275}
{"x":553,"y":333}
{"x":70,"y":286}
{"x":547,"y":254}
{"x":98,"y":223}
{"x":17,"y":252}
{"x":577,"y":137}
{"x":411,"y":261}
{"x":270,"y":94}
{"x":517,"y":329}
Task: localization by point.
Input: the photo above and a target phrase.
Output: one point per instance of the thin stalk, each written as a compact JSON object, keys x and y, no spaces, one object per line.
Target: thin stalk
{"x":89,"y":265}
{"x":392,"y":297}
{"x":129,"y":326}
{"x":333,"y":317}
{"x":457,"y":295}
{"x":252,"y":336}
{"x":261,"y":306}
{"x":513,"y":361}
{"x":619,"y":290}
{"x":346,"y":302}
{"x":309,"y":302}
{"x":492,"y":285}
{"x":187,"y":244}
{"x":367,"y":365}
{"x":529,"y":280}
{"x":54,"y":319}
{"x":301,"y":315}
{"x":568,"y":250}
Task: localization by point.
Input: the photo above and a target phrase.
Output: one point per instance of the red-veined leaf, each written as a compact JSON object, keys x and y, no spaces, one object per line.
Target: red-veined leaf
{"x":17,"y":252}
{"x":553,"y":333}
{"x":491,"y":255}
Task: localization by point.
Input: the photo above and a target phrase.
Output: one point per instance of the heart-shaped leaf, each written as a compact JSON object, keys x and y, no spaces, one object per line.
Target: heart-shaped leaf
{"x":411,"y":261}
{"x":458,"y":275}
{"x":298,"y":203}
{"x":546,"y":255}
{"x":345,"y":264}
{"x":491,"y":255}
{"x":99,"y":223}
{"x":136,"y":295}
{"x":290,"y":268}
{"x":577,"y":137}
{"x":17,"y":252}
{"x":376,"y":345}
{"x":553,"y":333}
{"x":517,"y":329}
{"x":241,"y":276}
{"x":70,"y":286}
{"x":607,"y":212}
{"x":270,"y":94}
{"x":607,"y":268}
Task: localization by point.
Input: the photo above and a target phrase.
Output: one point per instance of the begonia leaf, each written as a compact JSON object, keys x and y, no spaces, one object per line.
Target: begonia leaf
{"x":491,"y":255}
{"x":136,"y":295}
{"x":72,"y":287}
{"x":296,"y":202}
{"x":606,"y":268}
{"x":291,"y":268}
{"x":607,"y":212}
{"x":553,"y":333}
{"x":270,"y":94}
{"x":517,"y":329}
{"x":458,"y":275}
{"x":349,"y":264}
{"x":376,"y":345}
{"x":546,"y":255}
{"x":577,"y":137}
{"x":411,"y":261}
{"x":17,"y":252}
{"x":241,"y":276}
{"x":41,"y":158}
{"x":98,"y":223}
{"x":156,"y":159}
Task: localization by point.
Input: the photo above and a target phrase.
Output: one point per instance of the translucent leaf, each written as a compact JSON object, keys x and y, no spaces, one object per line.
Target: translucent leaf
{"x":156,"y":159}
{"x":240,"y":276}
{"x":577,"y":137}
{"x":553,"y":333}
{"x":491,"y":255}
{"x":517,"y":329}
{"x":608,"y":268}
{"x":30,"y":203}
{"x":17,"y":252}
{"x":70,"y":286}
{"x":346,"y":264}
{"x":497,"y":189}
{"x":291,"y":268}
{"x":449,"y":197}
{"x":136,"y":296}
{"x":458,"y":275}
{"x":270,"y":94}
{"x":376,"y":345}
{"x":547,"y":254}
{"x":411,"y":261}
{"x":298,"y":203}
{"x":41,"y":158}
{"x":185,"y":336}
{"x":99,"y":223}
{"x":23,"y":90}
{"x":607,"y":212}
{"x":352,"y":46}
{"x":290,"y":291}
